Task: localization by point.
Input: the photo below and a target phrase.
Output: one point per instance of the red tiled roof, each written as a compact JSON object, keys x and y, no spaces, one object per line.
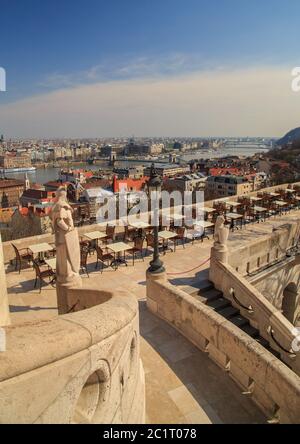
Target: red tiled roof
{"x":6,"y":183}
{"x":129,"y":184}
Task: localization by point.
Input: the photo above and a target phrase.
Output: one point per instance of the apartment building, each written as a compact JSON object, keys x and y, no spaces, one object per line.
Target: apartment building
{"x":10,"y":192}
{"x":168,"y":169}
{"x":222,"y":186}
{"x":14,"y":160}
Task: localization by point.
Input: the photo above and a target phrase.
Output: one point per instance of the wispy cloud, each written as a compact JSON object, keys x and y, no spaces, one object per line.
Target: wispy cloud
{"x":129,"y":68}
{"x":256,"y":101}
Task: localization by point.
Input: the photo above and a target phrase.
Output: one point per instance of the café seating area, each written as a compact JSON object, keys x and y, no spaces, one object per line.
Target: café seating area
{"x":113,"y":248}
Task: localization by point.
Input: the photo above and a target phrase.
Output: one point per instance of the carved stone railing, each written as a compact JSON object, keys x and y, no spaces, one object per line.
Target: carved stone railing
{"x":264,"y":378}
{"x":270,"y":322}
{"x":82,"y":367}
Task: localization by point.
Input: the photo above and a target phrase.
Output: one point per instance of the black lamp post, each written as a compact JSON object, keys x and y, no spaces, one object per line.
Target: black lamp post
{"x":154,"y":186}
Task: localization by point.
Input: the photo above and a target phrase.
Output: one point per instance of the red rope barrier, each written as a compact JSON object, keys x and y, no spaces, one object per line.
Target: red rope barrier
{"x":189,"y":271}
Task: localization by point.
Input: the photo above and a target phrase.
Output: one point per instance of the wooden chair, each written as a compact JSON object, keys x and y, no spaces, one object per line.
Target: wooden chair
{"x":103,"y":257}
{"x":23,"y":254}
{"x":180,"y":236}
{"x":150,"y":241}
{"x":84,"y":252}
{"x":129,"y":234}
{"x":137,"y":248}
{"x":110,"y":232}
{"x":41,"y":274}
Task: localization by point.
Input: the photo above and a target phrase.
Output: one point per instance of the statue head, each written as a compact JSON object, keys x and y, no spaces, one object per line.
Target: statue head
{"x":219,"y":222}
{"x":61,"y":194}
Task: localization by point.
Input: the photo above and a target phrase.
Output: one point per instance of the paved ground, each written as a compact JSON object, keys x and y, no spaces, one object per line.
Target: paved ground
{"x":182,"y":384}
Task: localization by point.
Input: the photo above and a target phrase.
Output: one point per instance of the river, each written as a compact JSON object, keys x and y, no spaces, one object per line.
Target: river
{"x":43,"y":175}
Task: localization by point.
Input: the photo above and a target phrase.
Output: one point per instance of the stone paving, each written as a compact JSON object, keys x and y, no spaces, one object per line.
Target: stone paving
{"x":183,"y":385}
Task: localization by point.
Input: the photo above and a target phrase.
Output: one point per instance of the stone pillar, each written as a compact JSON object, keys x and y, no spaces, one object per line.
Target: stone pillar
{"x":219,"y":252}
{"x":4,"y":307}
{"x":65,"y":302}
{"x":150,"y":279}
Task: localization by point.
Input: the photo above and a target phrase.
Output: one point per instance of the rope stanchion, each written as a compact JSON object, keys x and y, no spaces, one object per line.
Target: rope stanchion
{"x":189,"y":271}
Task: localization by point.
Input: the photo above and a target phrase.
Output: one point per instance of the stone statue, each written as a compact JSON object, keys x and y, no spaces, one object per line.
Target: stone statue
{"x":67,"y":246}
{"x":219,"y":251}
{"x":221,"y":232}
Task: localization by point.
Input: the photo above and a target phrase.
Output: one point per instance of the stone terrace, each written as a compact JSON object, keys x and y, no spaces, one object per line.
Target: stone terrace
{"x":182,"y":384}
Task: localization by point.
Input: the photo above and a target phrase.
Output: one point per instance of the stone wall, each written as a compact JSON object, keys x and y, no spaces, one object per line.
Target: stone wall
{"x":4,"y":310}
{"x":274,"y":282}
{"x":251,"y":255}
{"x":82,"y":367}
{"x":270,"y":383}
{"x":258,"y":310}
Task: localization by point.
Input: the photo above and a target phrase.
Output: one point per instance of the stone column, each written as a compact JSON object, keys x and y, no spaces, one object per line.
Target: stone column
{"x":219,"y":251}
{"x":66,"y":303}
{"x":151,"y":290}
{"x":4,"y":307}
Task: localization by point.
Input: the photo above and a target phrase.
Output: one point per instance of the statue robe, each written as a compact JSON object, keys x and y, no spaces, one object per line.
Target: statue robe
{"x":67,"y":243}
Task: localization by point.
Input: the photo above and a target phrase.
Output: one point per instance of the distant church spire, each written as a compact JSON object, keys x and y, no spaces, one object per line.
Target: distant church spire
{"x":27,"y":183}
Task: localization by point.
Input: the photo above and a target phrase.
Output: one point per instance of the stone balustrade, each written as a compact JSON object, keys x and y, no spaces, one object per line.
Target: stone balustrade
{"x":263,"y":315}
{"x":82,"y":367}
{"x":270,"y":383}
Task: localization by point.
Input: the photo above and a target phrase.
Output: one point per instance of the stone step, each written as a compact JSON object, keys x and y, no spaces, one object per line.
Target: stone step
{"x":217,"y":304}
{"x":209,"y":295}
{"x":251,"y":331}
{"x":194,"y":289}
{"x":239,"y":321}
{"x":228,"y":312}
{"x":262,"y":341}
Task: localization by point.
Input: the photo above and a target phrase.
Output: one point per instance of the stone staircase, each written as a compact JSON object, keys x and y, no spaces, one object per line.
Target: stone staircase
{"x":205,"y":292}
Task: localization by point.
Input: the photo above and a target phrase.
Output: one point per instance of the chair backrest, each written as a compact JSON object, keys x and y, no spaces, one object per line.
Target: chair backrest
{"x":150,"y":239}
{"x":180,"y":231}
{"x":37,"y":268}
{"x":110,"y":230}
{"x":16,"y":252}
{"x":138,"y":242}
{"x":83,"y":255}
{"x":99,"y":251}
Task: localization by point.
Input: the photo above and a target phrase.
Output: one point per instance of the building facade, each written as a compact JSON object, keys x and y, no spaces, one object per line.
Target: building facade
{"x":10,"y":192}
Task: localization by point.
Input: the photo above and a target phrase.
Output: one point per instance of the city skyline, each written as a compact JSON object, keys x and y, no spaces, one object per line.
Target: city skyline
{"x":161,"y":70}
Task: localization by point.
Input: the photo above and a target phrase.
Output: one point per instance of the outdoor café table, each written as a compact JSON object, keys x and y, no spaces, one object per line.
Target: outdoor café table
{"x":256,"y":199}
{"x":51,"y":263}
{"x":282,"y":205}
{"x":199,"y":230}
{"x":261,"y":211}
{"x":233,"y":204}
{"x":274,"y":194}
{"x":176,"y":219}
{"x":165,"y":236}
{"x":234,"y":217}
{"x":118,"y":248}
{"x":140,"y":225}
{"x":95,"y":235}
{"x":203,"y":209}
{"x":40,"y":249}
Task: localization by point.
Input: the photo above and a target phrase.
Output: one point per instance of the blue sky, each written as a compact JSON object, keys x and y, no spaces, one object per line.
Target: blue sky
{"x":48,"y":46}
